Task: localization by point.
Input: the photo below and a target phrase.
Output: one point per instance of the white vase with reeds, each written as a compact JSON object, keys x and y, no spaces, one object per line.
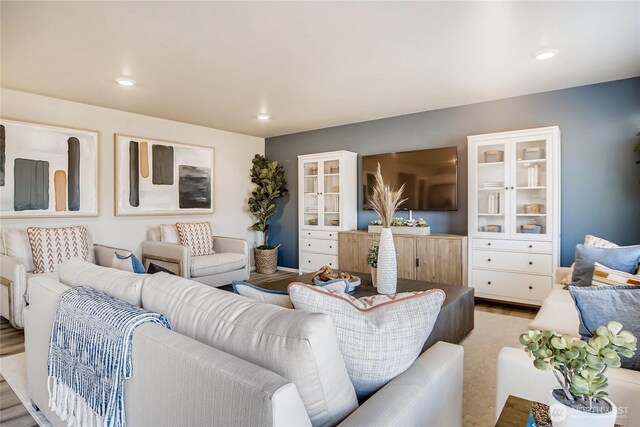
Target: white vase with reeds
{"x":385,"y":200}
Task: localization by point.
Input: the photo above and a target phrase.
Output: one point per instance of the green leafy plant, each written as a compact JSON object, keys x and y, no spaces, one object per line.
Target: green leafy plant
{"x":372,"y":257}
{"x":270,"y":185}
{"x":579,"y":365}
{"x":398,"y":222}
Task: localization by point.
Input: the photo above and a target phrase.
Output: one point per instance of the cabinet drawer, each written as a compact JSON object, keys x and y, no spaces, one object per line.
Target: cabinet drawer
{"x":514,"y":261}
{"x":329,"y":247}
{"x":313,"y":234}
{"x":513,"y":245}
{"x":512,"y":285}
{"x":313,"y":262}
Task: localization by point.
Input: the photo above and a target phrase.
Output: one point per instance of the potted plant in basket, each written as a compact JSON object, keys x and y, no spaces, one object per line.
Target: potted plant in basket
{"x":270,"y":185}
{"x":579,"y":367}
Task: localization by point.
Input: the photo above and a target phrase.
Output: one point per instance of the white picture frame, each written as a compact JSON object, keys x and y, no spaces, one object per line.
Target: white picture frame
{"x":173,"y":178}
{"x":47,"y":170}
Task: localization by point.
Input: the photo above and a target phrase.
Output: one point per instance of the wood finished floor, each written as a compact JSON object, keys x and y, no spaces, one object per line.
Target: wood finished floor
{"x":12,"y":411}
{"x":14,"y":414}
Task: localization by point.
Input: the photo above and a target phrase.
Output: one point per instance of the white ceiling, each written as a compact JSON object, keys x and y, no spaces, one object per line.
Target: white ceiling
{"x":309,"y":64}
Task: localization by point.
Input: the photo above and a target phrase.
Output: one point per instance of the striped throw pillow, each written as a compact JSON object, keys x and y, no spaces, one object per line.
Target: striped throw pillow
{"x":52,"y":246}
{"x":605,"y":276}
{"x":380,"y":336}
{"x":197,"y":236}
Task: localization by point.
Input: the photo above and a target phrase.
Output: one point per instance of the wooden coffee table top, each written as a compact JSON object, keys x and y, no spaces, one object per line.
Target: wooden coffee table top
{"x":366,"y":289}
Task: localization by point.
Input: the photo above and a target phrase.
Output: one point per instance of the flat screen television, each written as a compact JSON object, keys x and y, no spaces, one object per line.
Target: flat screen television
{"x":430,"y":177}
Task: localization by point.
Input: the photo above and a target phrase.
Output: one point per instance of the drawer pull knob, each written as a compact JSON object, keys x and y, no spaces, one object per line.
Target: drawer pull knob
{"x":530,"y":287}
{"x":488,"y":283}
{"x":330,"y":264}
{"x":309,"y":244}
{"x":488,"y":244}
{"x":330,"y":247}
{"x":512,"y":188}
{"x":488,"y":259}
{"x":330,"y":235}
{"x":309,"y":261}
{"x":530,"y":246}
{"x":530,"y":262}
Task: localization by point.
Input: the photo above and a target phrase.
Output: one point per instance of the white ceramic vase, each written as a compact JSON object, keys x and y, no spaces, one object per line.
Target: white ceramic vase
{"x":564,"y":416}
{"x":387,"y":266}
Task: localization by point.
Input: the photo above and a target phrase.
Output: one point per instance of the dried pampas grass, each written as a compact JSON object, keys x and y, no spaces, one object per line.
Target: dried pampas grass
{"x":385,"y":200}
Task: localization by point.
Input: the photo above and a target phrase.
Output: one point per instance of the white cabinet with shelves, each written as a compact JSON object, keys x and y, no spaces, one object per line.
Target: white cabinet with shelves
{"x":327,"y":203}
{"x":514,"y":213}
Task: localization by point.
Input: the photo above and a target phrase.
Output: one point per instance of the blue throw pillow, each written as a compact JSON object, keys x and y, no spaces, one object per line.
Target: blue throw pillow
{"x":597,"y":305}
{"x":622,"y":259}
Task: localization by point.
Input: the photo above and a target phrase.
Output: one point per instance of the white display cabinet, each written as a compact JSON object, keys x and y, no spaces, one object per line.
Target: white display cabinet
{"x":514,"y":214}
{"x":327,"y":203}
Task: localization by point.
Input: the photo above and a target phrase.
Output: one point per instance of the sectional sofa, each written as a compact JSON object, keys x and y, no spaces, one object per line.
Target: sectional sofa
{"x":230,"y":360}
{"x":518,"y":377}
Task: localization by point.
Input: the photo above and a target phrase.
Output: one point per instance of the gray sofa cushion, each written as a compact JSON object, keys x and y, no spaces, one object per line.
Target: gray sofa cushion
{"x":299,"y":346}
{"x":207,"y":265}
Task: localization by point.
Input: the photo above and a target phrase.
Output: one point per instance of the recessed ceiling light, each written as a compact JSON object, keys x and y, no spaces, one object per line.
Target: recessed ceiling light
{"x":546,"y":54}
{"x":126,"y":82}
{"x":263,"y":116}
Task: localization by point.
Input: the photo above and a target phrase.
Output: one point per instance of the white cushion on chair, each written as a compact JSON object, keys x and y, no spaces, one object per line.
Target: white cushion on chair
{"x":51,"y":246}
{"x":169,"y":233}
{"x":206,"y":265}
{"x":16,"y":243}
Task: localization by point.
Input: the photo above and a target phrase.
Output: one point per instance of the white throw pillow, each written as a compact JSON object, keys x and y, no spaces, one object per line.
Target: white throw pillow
{"x":197,"y":236}
{"x":169,"y":233}
{"x":379,"y":336}
{"x":605,"y":276}
{"x":16,"y":244}
{"x":52,"y":246}
{"x":117,"y":283}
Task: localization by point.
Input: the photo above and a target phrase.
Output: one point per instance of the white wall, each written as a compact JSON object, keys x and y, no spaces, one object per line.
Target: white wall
{"x":233,"y":154}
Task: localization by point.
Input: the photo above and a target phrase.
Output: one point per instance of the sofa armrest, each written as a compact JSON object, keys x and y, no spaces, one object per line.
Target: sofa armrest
{"x":517,"y":376}
{"x":230,"y":244}
{"x":201,"y":385}
{"x":169,"y":255}
{"x":561,"y":273}
{"x":13,"y":288}
{"x":104,"y":254}
{"x":429,"y":393}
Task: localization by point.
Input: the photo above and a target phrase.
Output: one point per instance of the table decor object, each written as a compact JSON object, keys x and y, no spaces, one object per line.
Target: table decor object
{"x":385,"y":201}
{"x":579,"y":367}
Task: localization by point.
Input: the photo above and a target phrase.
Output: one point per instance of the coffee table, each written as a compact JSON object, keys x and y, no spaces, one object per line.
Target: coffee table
{"x":454,"y":322}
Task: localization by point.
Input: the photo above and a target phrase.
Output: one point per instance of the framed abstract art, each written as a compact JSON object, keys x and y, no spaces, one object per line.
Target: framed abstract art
{"x":154,"y":177}
{"x":47,"y":171}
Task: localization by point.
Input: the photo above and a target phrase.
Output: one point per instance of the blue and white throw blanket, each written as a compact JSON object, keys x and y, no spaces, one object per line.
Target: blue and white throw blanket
{"x":90,"y":356}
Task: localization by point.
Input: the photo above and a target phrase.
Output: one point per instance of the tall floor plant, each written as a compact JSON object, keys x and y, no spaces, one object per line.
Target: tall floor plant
{"x":385,"y":200}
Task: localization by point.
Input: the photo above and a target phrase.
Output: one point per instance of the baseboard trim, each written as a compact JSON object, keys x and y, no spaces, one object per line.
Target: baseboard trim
{"x":290,"y":270}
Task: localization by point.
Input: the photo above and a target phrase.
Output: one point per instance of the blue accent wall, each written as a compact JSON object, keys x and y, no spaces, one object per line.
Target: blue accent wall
{"x":600,"y":177}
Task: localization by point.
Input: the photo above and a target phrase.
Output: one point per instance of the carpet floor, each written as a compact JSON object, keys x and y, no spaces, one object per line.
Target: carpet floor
{"x":492,"y":332}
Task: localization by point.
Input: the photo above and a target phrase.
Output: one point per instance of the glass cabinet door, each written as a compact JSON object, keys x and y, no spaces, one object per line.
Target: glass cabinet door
{"x":491,"y":191}
{"x":531,"y":195}
{"x":331,"y":193}
{"x":311,"y":202}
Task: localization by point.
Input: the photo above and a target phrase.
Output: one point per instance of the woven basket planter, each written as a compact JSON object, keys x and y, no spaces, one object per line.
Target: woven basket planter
{"x":266,"y":260}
